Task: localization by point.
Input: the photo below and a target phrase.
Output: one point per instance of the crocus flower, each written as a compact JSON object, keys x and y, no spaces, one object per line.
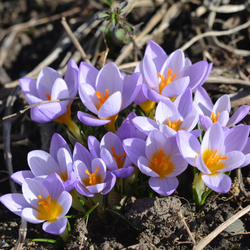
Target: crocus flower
{"x":42,"y":163}
{"x":219,"y":112}
{"x":215,"y":155}
{"x":170,"y":116}
{"x":158,"y":158}
{"x":112,"y":152}
{"x":168,"y":76}
{"x":51,"y":86}
{"x":105,"y":93}
{"x":46,"y":202}
{"x":93,"y":177}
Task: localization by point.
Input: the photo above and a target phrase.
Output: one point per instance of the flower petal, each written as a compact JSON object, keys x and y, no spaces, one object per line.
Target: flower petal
{"x":145,"y":124}
{"x":94,"y":146}
{"x":20,"y":176}
{"x":143,"y":164}
{"x":110,"y":182}
{"x":55,"y":227}
{"x":31,"y":215}
{"x":241,"y":112}
{"x":87,"y":74}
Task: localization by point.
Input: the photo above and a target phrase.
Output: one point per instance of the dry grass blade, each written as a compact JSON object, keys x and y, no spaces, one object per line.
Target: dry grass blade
{"x":22,"y":235}
{"x":205,"y":241}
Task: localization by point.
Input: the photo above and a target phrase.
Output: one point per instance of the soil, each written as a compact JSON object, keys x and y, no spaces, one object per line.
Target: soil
{"x":158,"y":222}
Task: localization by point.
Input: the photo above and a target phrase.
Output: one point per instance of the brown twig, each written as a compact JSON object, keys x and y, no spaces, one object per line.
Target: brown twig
{"x":205,"y":241}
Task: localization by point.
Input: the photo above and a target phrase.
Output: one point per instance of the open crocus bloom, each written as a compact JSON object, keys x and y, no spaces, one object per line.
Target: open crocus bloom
{"x":92,"y":174}
{"x":46,"y":202}
{"x":42,"y":163}
{"x":168,"y":76}
{"x":158,"y":158}
{"x":170,"y":116}
{"x":51,"y":86}
{"x":105,"y":93}
{"x":112,"y":152}
{"x":219,"y":112}
{"x":216,"y":154}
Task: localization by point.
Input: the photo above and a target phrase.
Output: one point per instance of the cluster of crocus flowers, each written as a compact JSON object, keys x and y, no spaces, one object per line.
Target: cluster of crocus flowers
{"x":160,"y":147}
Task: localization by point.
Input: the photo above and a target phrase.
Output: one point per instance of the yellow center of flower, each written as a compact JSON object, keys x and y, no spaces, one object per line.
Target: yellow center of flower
{"x":213,"y":160}
{"x":64,"y":176}
{"x":118,"y":158}
{"x":102,"y":97}
{"x":175,"y":125}
{"x":164,"y":82}
{"x":161,"y":164}
{"x":48,"y":209}
{"x":93,"y":179}
{"x":215,"y":118}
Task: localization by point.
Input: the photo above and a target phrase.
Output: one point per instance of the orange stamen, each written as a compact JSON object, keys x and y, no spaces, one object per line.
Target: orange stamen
{"x":175,"y":125}
{"x":45,"y":204}
{"x":212,"y":161}
{"x":93,"y":180}
{"x":164,"y":82}
{"x":102,"y":98}
{"x":118,"y":158}
{"x":48,"y":96}
{"x":215,"y":118}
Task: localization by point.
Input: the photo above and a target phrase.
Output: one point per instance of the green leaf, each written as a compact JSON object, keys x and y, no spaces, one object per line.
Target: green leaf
{"x":47,"y":240}
{"x":107,"y":2}
{"x":86,"y":208}
{"x":123,"y":5}
{"x":90,"y":211}
{"x":101,"y":16}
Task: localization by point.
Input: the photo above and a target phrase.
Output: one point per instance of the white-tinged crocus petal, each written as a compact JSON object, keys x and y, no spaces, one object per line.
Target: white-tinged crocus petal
{"x":201,"y":165}
{"x":15,"y":203}
{"x":151,"y":94}
{"x":42,"y":163}
{"x":91,"y":120}
{"x":180,"y":165}
{"x":31,"y":190}
{"x":45,"y":81}
{"x":31,"y":215}
{"x":205,"y":122}
{"x":150,"y":73}
{"x":123,"y":172}
{"x":143,"y":164}
{"x":81,"y":189}
{"x":155,"y":142}
{"x":202,"y":102}
{"x":134,"y":147}
{"x":20,"y":176}
{"x":223,"y":103}
{"x":223,"y":118}
{"x":65,"y":201}
{"x":28,"y":86}
{"x":111,"y":106}
{"x":98,"y":162}
{"x":56,"y":143}
{"x":188,"y":145}
{"x":82,"y":154}
{"x":110,"y":182}
{"x":60,"y":91}
{"x":219,"y":182}
{"x":71,"y":78}
{"x":65,"y":163}
{"x":190,"y":121}
{"x":108,"y":159}
{"x":236,"y":138}
{"x":145,"y":124}
{"x":163,"y":186}
{"x":94,"y":146}
{"x":234,"y":160}
{"x":213,"y":139}
{"x":87,"y":74}
{"x":54,"y":185}
{"x":95,"y":189}
{"x":153,"y":50}
{"x":55,"y":227}
{"x":240,"y":113}
{"x":184,"y":103}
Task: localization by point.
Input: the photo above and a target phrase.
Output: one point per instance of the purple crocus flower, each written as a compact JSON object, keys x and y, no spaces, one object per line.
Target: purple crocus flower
{"x":168,"y":76}
{"x":51,"y":86}
{"x":112,"y":152}
{"x":42,"y":163}
{"x":171,"y":116}
{"x":105,"y":93}
{"x":46,"y":202}
{"x":158,"y":158}
{"x":219,"y":112}
{"x":93,"y":177}
{"x":215,"y":155}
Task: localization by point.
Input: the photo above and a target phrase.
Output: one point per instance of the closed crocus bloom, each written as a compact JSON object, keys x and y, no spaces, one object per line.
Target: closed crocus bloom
{"x":219,"y":112}
{"x":46,"y":202}
{"x":92,"y":175}
{"x":170,"y":116}
{"x":158,"y":158}
{"x":41,"y":163}
{"x":215,"y":155}
{"x":168,"y":76}
{"x":105,"y":93}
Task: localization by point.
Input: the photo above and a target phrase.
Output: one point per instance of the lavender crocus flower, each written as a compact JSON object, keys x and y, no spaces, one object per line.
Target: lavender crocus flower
{"x":92,"y":175}
{"x":171,"y":116}
{"x":112,"y":152}
{"x":46,"y":202}
{"x":168,"y":76}
{"x":105,"y":93}
{"x":51,"y":86}
{"x":42,"y":163}
{"x":215,"y":155}
{"x":219,"y":112}
{"x":158,"y":158}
